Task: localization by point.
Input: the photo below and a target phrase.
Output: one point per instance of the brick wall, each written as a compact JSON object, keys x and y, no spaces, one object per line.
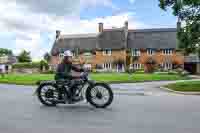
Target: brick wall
{"x":159,"y":57}
{"x":100,"y":59}
{"x":115,"y":55}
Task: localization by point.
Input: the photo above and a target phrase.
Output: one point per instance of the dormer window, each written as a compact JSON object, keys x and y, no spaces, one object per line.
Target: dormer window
{"x":150,"y":51}
{"x":167,"y":51}
{"x":107,"y":52}
{"x":136,"y":52}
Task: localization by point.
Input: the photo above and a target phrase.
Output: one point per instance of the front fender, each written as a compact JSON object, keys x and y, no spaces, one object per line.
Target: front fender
{"x":92,"y":83}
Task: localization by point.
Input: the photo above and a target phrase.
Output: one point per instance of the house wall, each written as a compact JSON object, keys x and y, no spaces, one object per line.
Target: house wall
{"x":100,"y":59}
{"x":159,"y":57}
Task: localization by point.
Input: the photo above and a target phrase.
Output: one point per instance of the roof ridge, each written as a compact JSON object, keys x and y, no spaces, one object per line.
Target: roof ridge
{"x":153,"y":30}
{"x":114,"y":29}
{"x":83,"y":35}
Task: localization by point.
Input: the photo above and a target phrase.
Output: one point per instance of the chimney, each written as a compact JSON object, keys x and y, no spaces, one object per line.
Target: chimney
{"x":126,"y":33}
{"x":57,"y":34}
{"x":126,"y":24}
{"x":101,"y":27}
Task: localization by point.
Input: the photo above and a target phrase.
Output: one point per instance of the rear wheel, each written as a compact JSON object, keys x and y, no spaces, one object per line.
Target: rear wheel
{"x":47,"y":94}
{"x":100,"y":95}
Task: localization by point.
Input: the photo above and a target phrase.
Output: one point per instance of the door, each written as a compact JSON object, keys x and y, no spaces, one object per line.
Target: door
{"x":191,"y":67}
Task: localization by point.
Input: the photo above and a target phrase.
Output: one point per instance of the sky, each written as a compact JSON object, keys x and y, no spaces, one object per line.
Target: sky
{"x":31,"y":24}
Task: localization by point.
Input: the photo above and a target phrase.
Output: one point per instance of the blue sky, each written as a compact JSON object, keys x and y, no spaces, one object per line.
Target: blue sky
{"x":31,"y":24}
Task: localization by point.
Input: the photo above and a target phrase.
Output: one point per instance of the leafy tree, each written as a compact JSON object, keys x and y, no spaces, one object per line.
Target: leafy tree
{"x":24,"y":56}
{"x":4,"y":51}
{"x":44,"y":65}
{"x":188,"y":13}
{"x":47,"y":57}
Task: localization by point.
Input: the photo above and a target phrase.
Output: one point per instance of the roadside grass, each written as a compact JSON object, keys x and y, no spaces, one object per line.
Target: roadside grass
{"x":31,"y":79}
{"x":188,"y":86}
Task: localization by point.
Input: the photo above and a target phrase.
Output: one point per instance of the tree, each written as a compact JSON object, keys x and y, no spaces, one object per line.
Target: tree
{"x":4,"y":51}
{"x":43,"y":65}
{"x":24,"y":56}
{"x":47,"y":57}
{"x":188,"y":12}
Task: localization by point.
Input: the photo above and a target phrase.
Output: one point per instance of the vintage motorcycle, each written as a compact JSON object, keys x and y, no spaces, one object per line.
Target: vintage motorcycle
{"x":50,"y":93}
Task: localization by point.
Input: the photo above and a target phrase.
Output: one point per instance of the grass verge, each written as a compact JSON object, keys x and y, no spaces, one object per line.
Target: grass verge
{"x":188,"y":86}
{"x":31,"y":79}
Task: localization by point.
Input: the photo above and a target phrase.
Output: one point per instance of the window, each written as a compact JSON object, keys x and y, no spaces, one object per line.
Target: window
{"x":136,"y":52}
{"x":136,"y":66}
{"x":167,"y":66}
{"x":107,"y":66}
{"x":150,"y":51}
{"x":87,"y":66}
{"x":74,"y":54}
{"x":61,"y":56}
{"x":107,"y":52}
{"x":168,"y":51}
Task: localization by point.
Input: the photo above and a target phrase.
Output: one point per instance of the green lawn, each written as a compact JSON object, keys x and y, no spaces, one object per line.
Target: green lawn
{"x":30,"y":79}
{"x":189,"y":86}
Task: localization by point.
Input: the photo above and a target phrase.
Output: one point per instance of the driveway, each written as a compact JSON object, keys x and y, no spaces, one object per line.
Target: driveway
{"x":154,"y":112}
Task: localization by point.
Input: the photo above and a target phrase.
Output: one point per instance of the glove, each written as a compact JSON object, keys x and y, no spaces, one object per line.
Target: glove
{"x":82,"y":75}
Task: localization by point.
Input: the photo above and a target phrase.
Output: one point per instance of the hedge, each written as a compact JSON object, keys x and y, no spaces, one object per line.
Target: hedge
{"x":27,"y":65}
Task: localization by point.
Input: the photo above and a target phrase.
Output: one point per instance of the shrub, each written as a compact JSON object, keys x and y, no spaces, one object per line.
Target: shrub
{"x":140,"y":71}
{"x":44,"y":64}
{"x":184,"y":73}
{"x":49,"y":72}
{"x":27,"y":65}
{"x":129,"y":70}
{"x":172,"y":72}
{"x":179,"y":70}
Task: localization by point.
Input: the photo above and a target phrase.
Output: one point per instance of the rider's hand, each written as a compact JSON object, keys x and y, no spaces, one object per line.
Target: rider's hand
{"x":82,"y":75}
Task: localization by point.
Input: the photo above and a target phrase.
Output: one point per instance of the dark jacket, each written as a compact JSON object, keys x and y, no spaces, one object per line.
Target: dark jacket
{"x":64,"y":71}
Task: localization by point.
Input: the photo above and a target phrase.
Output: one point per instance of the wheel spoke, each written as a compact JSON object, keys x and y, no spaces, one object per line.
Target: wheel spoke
{"x":52,"y":94}
{"x":99,"y":95}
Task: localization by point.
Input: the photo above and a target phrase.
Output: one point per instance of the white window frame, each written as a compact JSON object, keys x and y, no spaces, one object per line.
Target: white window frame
{"x":87,"y":66}
{"x":167,"y":51}
{"x":107,"y":66}
{"x":74,"y":54}
{"x":150,"y":51}
{"x":61,"y":56}
{"x":136,"y":66}
{"x":107,"y":52}
{"x":167,"y":66}
{"x":135,"y":52}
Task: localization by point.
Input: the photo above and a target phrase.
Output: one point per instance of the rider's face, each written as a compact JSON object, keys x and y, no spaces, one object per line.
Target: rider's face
{"x":68,"y":59}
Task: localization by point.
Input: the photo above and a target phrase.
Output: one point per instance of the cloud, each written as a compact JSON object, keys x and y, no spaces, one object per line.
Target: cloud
{"x":31,"y":25}
{"x":111,"y":21}
{"x":97,"y":3}
{"x":55,"y":7}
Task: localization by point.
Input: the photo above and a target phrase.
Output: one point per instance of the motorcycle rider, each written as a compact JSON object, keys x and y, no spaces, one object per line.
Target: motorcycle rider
{"x":64,"y":72}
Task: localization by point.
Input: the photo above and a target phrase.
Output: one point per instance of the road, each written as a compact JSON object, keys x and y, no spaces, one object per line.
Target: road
{"x":156,"y":111}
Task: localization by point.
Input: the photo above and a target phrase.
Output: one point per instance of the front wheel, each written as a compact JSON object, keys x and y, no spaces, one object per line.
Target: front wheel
{"x":100,"y":95}
{"x":47,"y":93}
